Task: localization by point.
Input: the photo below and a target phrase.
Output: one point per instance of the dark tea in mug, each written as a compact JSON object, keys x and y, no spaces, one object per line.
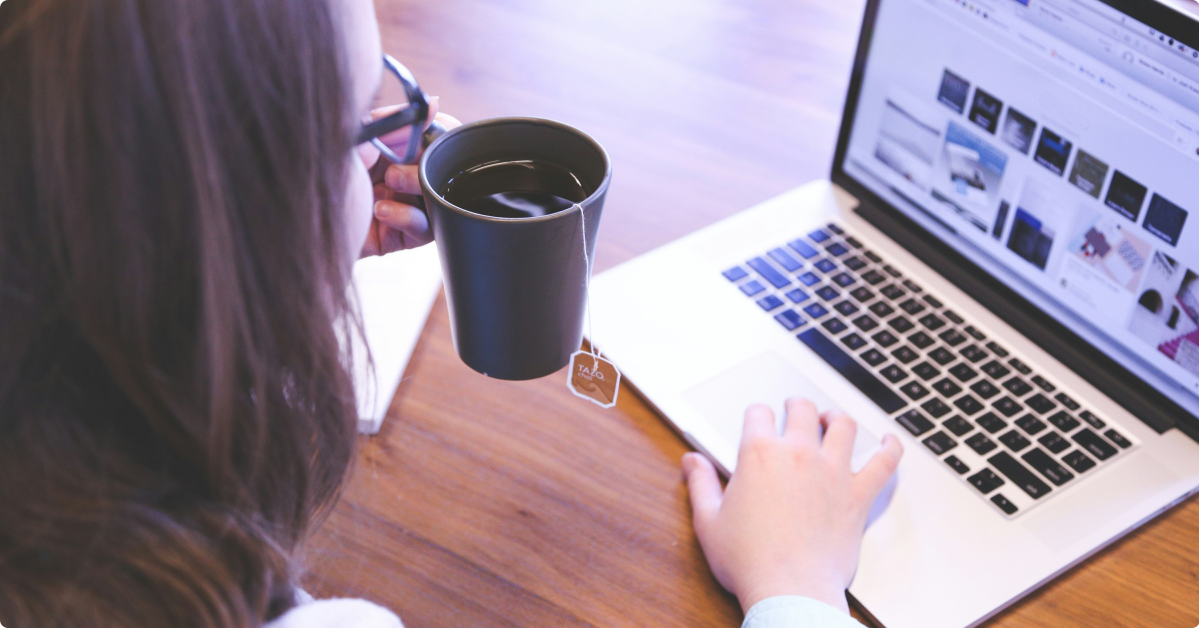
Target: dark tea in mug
{"x":524,"y":188}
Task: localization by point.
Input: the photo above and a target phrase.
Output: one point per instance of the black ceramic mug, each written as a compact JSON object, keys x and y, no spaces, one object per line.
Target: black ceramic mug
{"x":516,"y":287}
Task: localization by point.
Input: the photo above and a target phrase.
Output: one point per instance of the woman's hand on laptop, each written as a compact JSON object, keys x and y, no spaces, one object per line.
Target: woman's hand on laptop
{"x":398,"y":223}
{"x":792,"y":518}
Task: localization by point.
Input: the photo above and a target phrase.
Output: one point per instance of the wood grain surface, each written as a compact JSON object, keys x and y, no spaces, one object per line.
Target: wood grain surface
{"x":486,"y":503}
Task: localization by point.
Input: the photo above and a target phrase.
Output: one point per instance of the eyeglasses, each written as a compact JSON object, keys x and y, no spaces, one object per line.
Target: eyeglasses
{"x":414,"y":115}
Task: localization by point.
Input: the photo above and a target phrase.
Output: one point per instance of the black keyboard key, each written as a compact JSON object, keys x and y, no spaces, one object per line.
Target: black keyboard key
{"x":843,"y":279}
{"x":957,"y":465}
{"x":931,"y":300}
{"x":828,"y":293}
{"x":770,"y":302}
{"x":815,"y":310}
{"x":836,"y":249}
{"x":957,"y":425}
{"x":1118,"y":438}
{"x":973,"y":353}
{"x":885,"y":338}
{"x":921,"y":340}
{"x":1017,"y":386}
{"x":873,"y":277}
{"x":865,"y":323}
{"x":878,"y":392}
{"x":1054,"y":442}
{"x":790,"y":319}
{"x":914,"y":422}
{"x":953,"y":317}
{"x":1047,"y":466}
{"x":874,"y":357}
{"x":914,"y":390}
{"x":991,"y":422}
{"x":1040,"y":403}
{"x":963,"y":372}
{"x":852,"y":241}
{"x":854,"y":263}
{"x":974,"y":333}
{"x":785,"y":260}
{"x":902,"y":325}
{"x":1063,"y":421}
{"x":941,"y":356}
{"x":1020,"y":366}
{"x":935,"y":408}
{"x":1007,"y":406}
{"x":1043,"y":383}
{"x":905,"y":354}
{"x":1078,"y":461}
{"x":911,"y":285}
{"x":735,"y":273}
{"x":969,"y":405}
{"x":804,"y":249}
{"x":825,"y":266}
{"x":985,"y":389}
{"x":1019,"y":475}
{"x":981,"y":444}
{"x":862,"y":294}
{"x":932,"y":322}
{"x":750,"y":288}
{"x":926,"y":371}
{"x":1014,"y":440}
{"x":768,"y":272}
{"x":947,"y":388}
{"x":835,"y":228}
{"x":1006,"y":506}
{"x":995,"y":369}
{"x":1093,"y":420}
{"x":950,"y":336}
{"x":997,"y":350}
{"x":1065,"y":400}
{"x":819,"y":235}
{"x":940,"y":443}
{"x":835,"y":325}
{"x":893,"y":292}
{"x":894,"y":374}
{"x":912,"y":306}
{"x":872,"y":256}
{"x":809,"y":279}
{"x":1030,"y":424}
{"x":798,"y":296}
{"x":846,"y":308}
{"x":891,"y":271}
{"x":985,"y":481}
{"x":881,"y":309}
{"x":1094,"y":444}
{"x":854,"y":342}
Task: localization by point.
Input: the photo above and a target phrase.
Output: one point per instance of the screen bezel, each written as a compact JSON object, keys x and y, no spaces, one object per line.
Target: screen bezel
{"x":1123,"y":386}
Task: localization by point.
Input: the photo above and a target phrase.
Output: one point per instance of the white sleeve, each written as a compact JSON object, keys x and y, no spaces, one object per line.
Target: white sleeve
{"x":337,"y":614}
{"x":793,"y":611}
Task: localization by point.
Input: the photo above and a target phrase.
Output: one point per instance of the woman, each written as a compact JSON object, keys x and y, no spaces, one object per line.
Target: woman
{"x":182,"y":195}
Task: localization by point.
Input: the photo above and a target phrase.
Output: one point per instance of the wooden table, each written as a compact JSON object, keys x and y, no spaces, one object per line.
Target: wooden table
{"x":484,"y":503}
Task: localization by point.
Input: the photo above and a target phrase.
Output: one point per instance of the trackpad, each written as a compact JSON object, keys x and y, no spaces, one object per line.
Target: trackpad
{"x":767,"y":379}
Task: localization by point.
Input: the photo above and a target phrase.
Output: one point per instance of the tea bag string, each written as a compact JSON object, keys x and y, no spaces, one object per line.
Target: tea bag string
{"x":587,"y":295}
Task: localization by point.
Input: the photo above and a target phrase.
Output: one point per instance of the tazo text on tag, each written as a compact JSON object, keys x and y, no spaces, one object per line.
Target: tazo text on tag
{"x":593,"y":378}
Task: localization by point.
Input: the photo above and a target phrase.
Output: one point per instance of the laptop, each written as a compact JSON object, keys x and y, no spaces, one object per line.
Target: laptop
{"x":1003,"y":270}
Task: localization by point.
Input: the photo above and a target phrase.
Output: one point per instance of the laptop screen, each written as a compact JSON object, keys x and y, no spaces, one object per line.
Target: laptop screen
{"x":1054,"y":143}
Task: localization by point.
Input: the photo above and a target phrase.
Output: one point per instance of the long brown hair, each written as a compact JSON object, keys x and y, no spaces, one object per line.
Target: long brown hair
{"x":174,"y":408}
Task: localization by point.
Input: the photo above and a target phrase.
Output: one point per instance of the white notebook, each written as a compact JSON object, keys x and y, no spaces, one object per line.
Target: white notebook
{"x":396,"y":293}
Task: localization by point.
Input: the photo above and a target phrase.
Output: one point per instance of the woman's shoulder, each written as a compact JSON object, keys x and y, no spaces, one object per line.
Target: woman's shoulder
{"x":337,"y":613}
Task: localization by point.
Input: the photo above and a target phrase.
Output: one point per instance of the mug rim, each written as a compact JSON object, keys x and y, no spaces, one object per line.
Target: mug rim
{"x":599,"y":190}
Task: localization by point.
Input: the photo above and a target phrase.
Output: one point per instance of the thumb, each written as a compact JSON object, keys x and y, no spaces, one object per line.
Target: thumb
{"x":705,"y":489}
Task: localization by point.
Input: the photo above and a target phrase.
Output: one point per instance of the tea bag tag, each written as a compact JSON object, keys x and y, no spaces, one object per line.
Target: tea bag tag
{"x":593,"y":378}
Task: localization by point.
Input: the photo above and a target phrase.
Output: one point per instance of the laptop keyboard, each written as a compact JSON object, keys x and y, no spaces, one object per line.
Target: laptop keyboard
{"x":1011,"y":433}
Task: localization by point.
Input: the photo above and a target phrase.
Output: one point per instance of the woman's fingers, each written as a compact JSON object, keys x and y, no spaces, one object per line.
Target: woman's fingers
{"x":839,"y":434}
{"x":403,"y":179}
{"x":705,"y":489}
{"x":874,"y":476}
{"x":400,"y":226}
{"x":803,"y":422}
{"x":759,"y":423}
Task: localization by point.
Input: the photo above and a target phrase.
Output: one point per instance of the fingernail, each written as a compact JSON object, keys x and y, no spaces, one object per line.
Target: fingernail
{"x":689,"y":462}
{"x":382,"y":209}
